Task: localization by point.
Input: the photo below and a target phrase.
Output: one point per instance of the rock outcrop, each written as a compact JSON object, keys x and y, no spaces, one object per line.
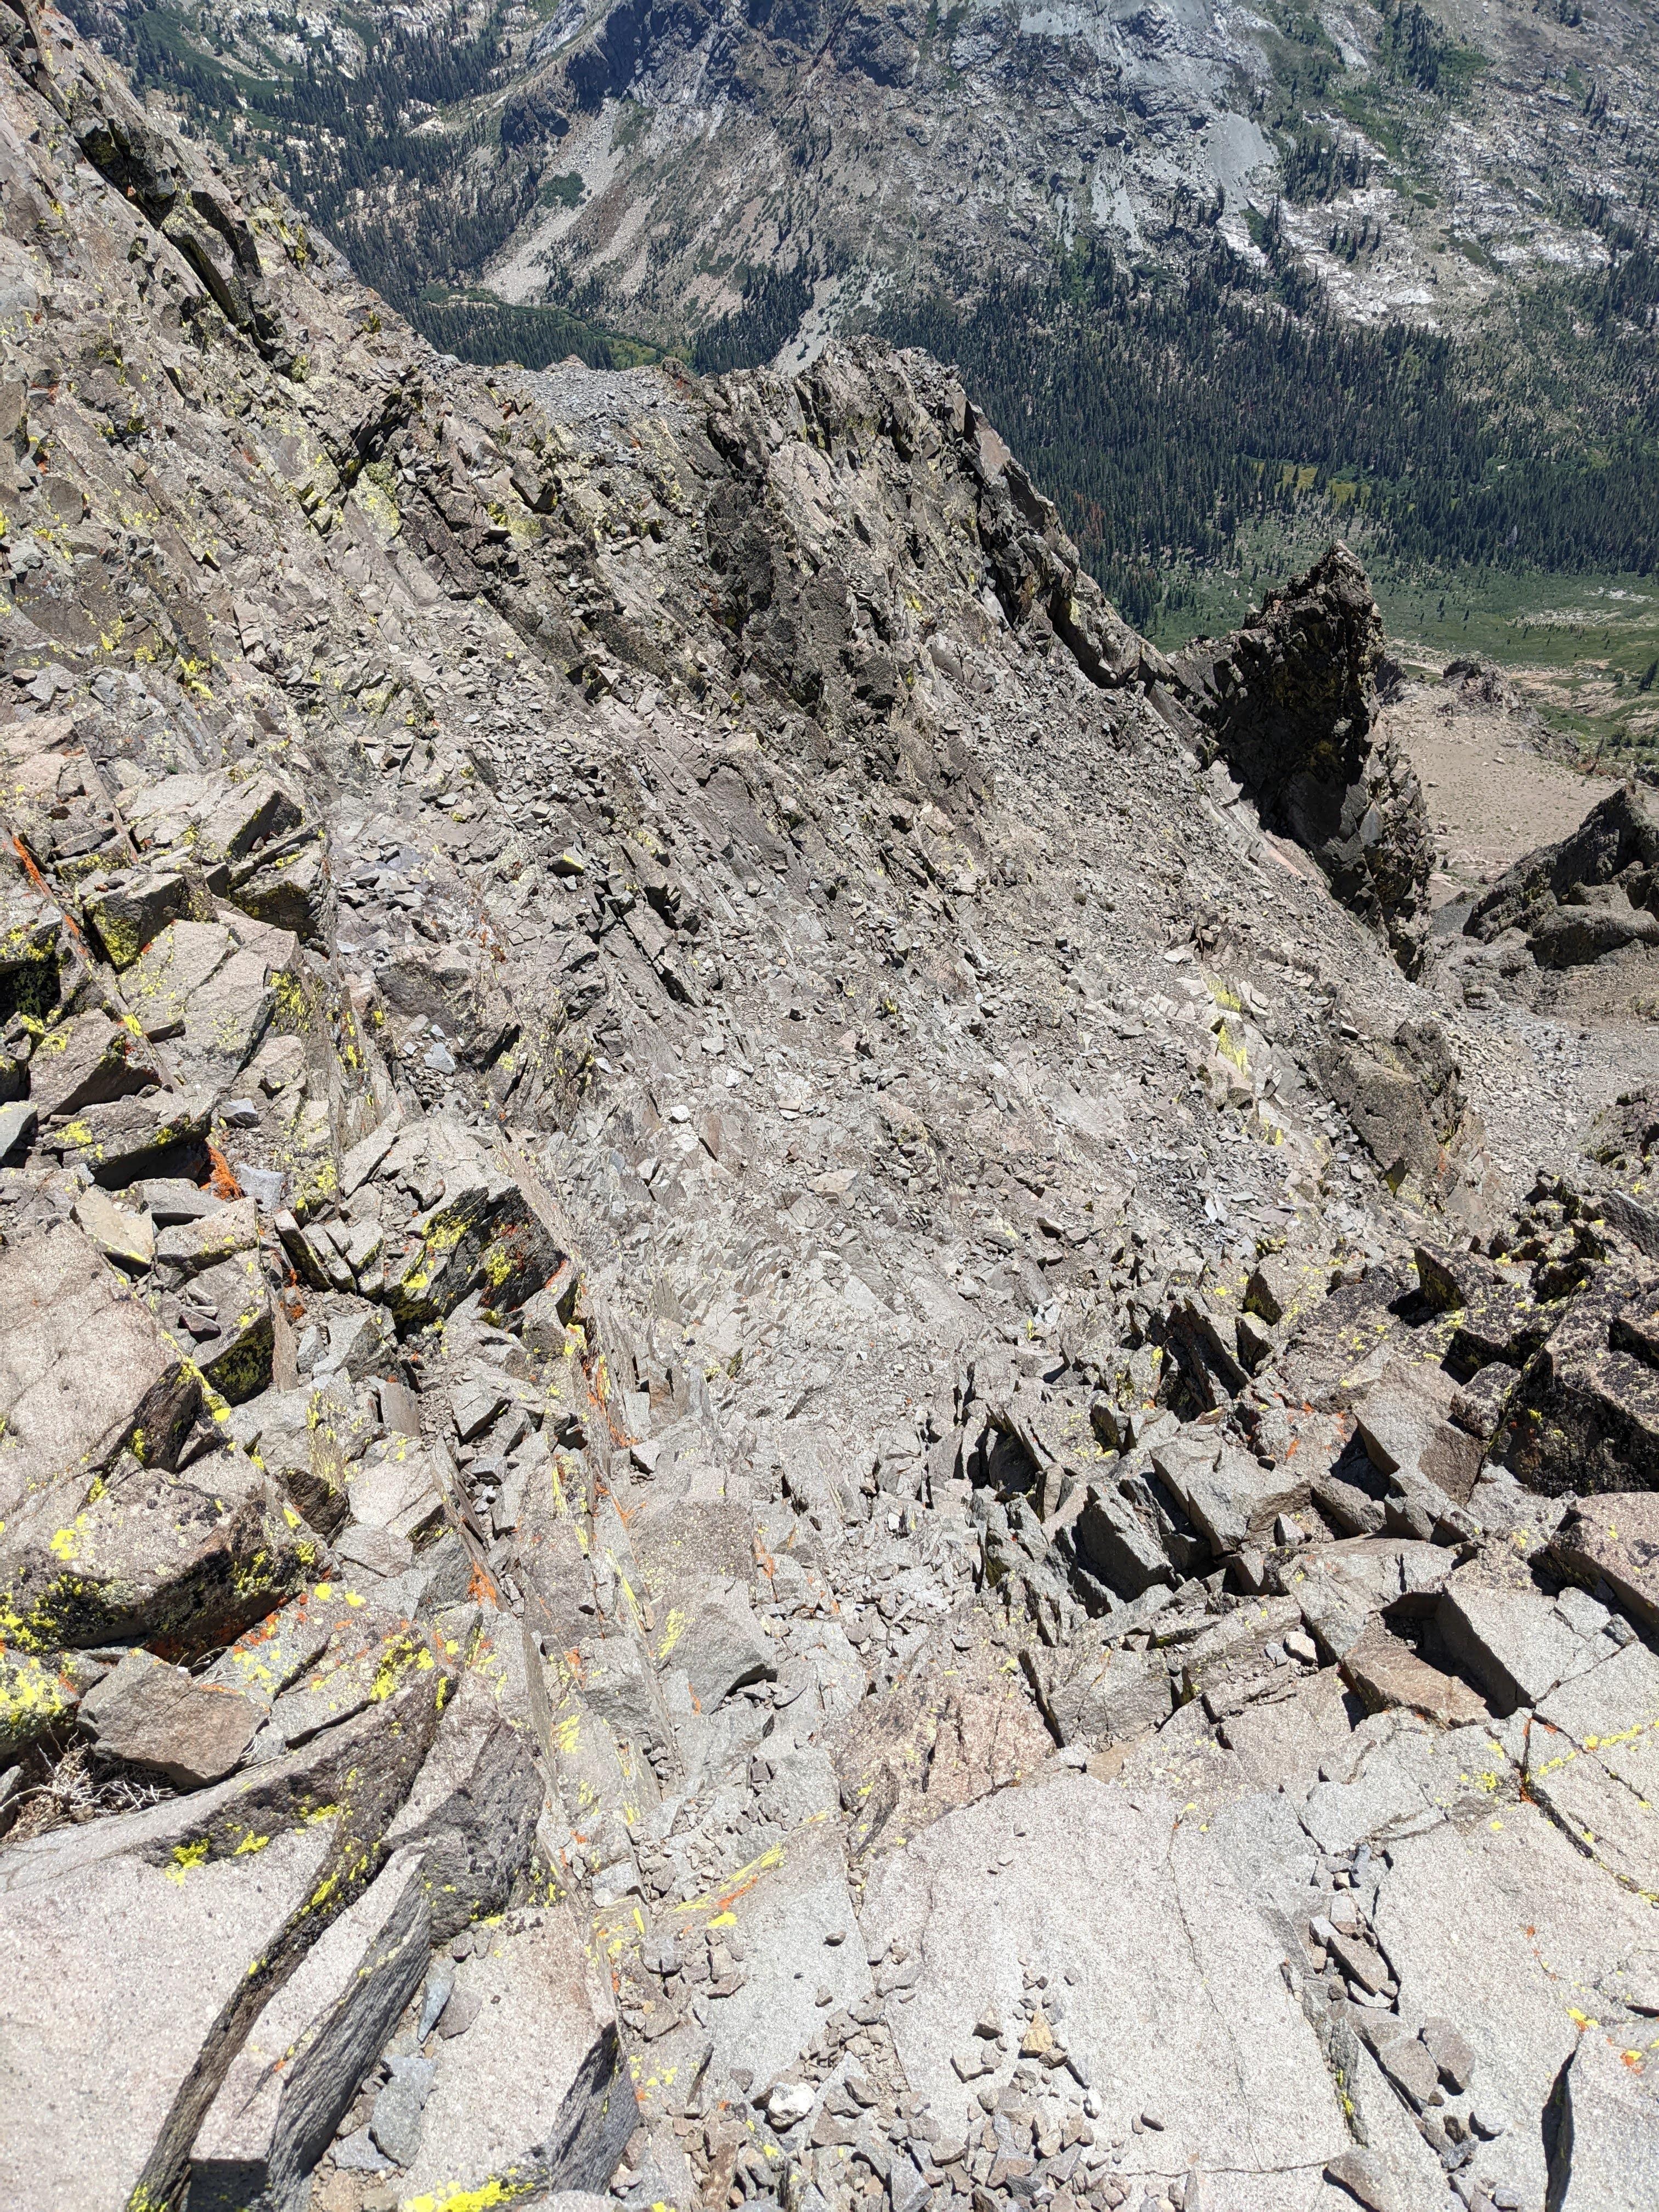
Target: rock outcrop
{"x":1289,"y":702}
{"x":1591,"y":894}
{"x":712,"y":1277}
{"x":1572,"y":928}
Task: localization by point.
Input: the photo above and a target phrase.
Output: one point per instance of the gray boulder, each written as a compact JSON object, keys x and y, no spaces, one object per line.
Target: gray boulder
{"x":82,"y":1368}
{"x":1149,"y":1905}
{"x":151,"y":1714}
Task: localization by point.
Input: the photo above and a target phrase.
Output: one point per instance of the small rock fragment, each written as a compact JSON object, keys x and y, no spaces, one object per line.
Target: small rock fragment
{"x":396,"y":2121}
{"x":1363,"y":2178}
{"x":1451,"y":2052}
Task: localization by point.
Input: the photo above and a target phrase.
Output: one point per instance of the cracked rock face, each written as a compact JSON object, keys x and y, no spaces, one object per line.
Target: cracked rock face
{"x":1290,"y":703}
{"x":777,"y":1424}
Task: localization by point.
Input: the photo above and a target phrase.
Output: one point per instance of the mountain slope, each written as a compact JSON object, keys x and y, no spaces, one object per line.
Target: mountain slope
{"x":676,"y":151}
{"x":719,"y":1263}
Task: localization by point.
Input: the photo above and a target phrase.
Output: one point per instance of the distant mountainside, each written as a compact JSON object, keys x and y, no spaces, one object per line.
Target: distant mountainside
{"x":1205,"y":263}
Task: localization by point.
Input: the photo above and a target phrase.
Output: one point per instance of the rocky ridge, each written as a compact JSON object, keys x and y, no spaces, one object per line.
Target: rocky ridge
{"x":722,"y":1266}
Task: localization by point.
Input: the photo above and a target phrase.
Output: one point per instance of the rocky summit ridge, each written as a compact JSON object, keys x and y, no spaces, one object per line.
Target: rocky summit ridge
{"x":799,"y":1402}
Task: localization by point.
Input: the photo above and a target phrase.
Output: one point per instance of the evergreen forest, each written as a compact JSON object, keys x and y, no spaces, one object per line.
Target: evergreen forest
{"x":1164,"y":418}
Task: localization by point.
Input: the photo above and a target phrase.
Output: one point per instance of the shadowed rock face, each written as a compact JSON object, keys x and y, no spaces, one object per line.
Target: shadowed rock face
{"x":754,"y":1383}
{"x":1289,"y":702}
